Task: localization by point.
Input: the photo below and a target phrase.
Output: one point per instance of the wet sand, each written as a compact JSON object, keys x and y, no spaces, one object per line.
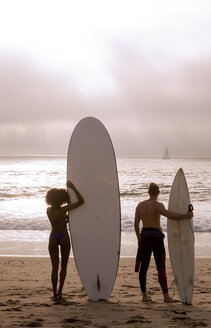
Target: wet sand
{"x":25,"y":298}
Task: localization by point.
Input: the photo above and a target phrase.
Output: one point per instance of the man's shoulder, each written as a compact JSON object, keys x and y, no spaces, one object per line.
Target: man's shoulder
{"x":156,"y":205}
{"x":152,"y":203}
{"x":160,"y":203}
{"x":160,"y":207}
{"x":143,"y":202}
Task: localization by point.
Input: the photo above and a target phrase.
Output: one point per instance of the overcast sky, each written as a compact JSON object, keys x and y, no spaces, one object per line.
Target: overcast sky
{"x":142,"y":67}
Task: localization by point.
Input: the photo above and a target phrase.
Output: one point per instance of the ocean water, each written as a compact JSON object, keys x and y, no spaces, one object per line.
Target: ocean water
{"x":24,"y":181}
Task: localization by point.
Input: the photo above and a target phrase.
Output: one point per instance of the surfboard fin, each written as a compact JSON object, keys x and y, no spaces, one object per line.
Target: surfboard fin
{"x":98,"y":283}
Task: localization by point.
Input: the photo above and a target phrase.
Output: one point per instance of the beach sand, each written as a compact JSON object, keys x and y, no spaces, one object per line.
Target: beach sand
{"x":25,"y":298}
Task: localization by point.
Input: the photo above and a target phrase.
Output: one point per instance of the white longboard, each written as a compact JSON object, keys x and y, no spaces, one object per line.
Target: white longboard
{"x":181,"y":239}
{"x":95,"y":226}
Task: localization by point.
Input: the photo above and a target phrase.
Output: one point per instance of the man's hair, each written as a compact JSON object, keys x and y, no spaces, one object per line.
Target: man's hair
{"x":153,"y":189}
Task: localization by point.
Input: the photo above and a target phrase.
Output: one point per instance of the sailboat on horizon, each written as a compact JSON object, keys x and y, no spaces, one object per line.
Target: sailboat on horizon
{"x":166,"y":153}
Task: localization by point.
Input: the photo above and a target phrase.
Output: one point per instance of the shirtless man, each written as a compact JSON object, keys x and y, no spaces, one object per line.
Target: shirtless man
{"x":151,"y":239}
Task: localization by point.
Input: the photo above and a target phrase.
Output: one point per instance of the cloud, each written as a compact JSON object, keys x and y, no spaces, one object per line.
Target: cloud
{"x":30,"y":94}
{"x":150,"y":106}
{"x":165,"y":106}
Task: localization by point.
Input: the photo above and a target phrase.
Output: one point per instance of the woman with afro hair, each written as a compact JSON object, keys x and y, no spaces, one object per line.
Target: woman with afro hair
{"x":57,"y":215}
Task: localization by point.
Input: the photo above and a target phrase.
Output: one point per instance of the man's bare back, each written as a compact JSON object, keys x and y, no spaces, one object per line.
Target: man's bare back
{"x":148,"y":212}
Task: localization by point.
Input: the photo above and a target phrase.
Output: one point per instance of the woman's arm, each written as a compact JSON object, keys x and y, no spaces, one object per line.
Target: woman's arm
{"x":80,"y":198}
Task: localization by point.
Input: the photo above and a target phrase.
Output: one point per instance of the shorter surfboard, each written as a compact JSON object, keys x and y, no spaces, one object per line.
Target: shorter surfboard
{"x":181,"y":239}
{"x":95,"y":227}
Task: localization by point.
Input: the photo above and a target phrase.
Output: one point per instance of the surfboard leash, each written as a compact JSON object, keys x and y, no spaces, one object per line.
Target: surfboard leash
{"x":190,"y":209}
{"x":173,"y":284}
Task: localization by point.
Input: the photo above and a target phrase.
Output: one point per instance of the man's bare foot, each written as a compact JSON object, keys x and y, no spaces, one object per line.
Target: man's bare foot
{"x":146,"y":298}
{"x":167,"y":298}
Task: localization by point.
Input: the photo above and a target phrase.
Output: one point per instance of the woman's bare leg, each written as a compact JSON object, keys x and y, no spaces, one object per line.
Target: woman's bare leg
{"x":65,"y":252}
{"x":54,"y":254}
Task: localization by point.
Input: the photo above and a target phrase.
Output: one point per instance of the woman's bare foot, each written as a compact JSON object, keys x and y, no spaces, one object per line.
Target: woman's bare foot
{"x":55,"y":297}
{"x":146,"y":298}
{"x":59,"y":295}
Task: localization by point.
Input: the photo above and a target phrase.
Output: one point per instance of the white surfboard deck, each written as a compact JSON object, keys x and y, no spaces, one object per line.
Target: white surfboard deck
{"x":95,"y":226}
{"x":181,"y":239}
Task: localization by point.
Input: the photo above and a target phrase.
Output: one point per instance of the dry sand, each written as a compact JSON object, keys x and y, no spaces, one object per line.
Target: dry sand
{"x":25,"y":298}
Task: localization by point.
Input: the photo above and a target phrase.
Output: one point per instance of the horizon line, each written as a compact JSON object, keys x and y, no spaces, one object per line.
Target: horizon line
{"x":118,"y":156}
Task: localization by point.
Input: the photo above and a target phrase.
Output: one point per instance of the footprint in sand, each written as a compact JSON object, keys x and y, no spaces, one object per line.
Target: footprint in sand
{"x":189,"y":321}
{"x":31,"y":324}
{"x":129,"y":286}
{"x":11,"y":302}
{"x":17,"y":309}
{"x":81,"y":323}
{"x":138,"y":319}
{"x":2,"y":304}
